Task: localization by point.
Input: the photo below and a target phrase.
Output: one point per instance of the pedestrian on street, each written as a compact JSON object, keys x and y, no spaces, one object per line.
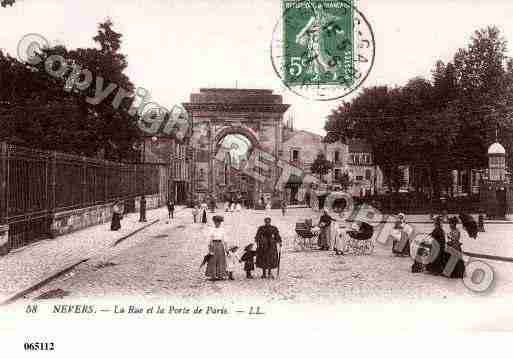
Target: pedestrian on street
{"x":436,"y":266}
{"x":170,"y":208}
{"x":195,"y":212}
{"x":115,"y":223}
{"x":283,"y":207}
{"x":453,"y":241}
{"x":216,"y":266}
{"x":267,"y":239}
{"x":324,"y":241}
{"x":203,"y":210}
{"x":232,"y":261}
{"x":248,"y":257}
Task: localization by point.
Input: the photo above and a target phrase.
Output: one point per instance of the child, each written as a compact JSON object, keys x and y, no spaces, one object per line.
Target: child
{"x":249,"y":260}
{"x":231,"y":261}
{"x":195,"y":212}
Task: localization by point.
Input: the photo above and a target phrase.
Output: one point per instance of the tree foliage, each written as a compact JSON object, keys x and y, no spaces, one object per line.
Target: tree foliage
{"x":4,"y":3}
{"x":321,"y":166}
{"x":440,"y":124}
{"x":44,"y":111}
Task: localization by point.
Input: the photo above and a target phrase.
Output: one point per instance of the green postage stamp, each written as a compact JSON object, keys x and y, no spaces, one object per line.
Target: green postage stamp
{"x":318,"y":42}
{"x":322,"y":49}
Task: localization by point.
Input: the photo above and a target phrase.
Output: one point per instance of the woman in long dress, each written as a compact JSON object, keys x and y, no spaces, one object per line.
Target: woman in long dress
{"x":453,"y":241}
{"x":401,"y":233}
{"x":204,"y":208}
{"x":116,"y":217}
{"x":216,"y":266}
{"x":436,"y":266}
{"x":325,"y":235}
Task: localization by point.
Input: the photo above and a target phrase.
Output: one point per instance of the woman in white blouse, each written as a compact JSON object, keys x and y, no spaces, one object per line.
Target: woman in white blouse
{"x":216,"y":266}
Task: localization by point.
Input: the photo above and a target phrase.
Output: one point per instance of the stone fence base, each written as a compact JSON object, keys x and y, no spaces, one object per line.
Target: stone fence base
{"x":74,"y":220}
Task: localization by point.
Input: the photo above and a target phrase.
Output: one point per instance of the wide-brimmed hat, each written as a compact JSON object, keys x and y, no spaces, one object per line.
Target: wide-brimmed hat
{"x":217,"y":218}
{"x":248,"y":247}
{"x":233,"y":248}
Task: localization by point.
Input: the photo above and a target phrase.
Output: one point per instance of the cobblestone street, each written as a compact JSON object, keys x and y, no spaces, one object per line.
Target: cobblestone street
{"x":163,"y":262}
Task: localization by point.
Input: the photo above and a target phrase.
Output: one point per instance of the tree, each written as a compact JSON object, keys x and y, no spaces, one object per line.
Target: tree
{"x":45,"y":112}
{"x":345,"y":181}
{"x":4,"y":3}
{"x":438,"y":125}
{"x":321,"y":166}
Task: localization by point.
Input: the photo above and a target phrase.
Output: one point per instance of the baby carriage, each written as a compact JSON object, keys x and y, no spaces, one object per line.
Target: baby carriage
{"x":360,"y":241}
{"x":306,"y":235}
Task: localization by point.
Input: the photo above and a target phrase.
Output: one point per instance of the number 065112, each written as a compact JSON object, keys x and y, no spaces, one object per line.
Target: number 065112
{"x":39,"y":346}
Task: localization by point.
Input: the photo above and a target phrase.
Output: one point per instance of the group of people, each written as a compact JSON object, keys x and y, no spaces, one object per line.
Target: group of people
{"x":222,"y":260}
{"x":432,"y":253}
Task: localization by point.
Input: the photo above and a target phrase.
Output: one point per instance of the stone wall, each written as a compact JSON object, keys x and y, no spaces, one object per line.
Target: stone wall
{"x":74,"y":220}
{"x":4,"y":239}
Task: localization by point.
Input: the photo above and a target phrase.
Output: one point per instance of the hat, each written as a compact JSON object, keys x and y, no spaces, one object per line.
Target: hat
{"x":233,"y":248}
{"x":218,"y":218}
{"x":248,"y":247}
{"x":401,"y":215}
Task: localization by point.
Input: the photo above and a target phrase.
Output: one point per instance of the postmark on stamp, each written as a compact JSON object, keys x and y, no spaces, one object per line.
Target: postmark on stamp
{"x":322,"y":49}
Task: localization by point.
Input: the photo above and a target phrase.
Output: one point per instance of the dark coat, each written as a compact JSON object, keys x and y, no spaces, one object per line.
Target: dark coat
{"x":249,"y":260}
{"x":267,"y":238}
{"x":437,"y":263}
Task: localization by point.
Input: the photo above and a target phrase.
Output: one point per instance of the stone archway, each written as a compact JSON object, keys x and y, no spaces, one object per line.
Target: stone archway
{"x":236,"y":130}
{"x":216,"y":113}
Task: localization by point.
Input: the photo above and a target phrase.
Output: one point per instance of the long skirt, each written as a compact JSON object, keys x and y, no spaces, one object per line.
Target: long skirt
{"x":459,"y":269}
{"x":397,"y":247}
{"x":340,"y":241}
{"x":204,"y":217}
{"x":216,"y":266}
{"x":115,"y":224}
{"x":324,"y":241}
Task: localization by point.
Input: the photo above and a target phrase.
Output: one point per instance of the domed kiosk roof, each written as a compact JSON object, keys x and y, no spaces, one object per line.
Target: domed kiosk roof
{"x":496,"y":149}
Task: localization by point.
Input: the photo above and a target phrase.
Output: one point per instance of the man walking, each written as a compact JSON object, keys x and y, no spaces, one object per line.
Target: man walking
{"x":267,"y":239}
{"x":170,"y":208}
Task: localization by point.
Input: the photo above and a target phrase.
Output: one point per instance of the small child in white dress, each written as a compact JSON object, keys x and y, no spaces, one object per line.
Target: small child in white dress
{"x":232,"y":261}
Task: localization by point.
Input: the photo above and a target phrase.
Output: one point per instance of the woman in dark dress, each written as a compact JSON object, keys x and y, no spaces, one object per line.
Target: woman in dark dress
{"x":453,"y":241}
{"x":115,"y":224}
{"x":436,"y":266}
{"x":324,"y":241}
{"x":267,"y":239}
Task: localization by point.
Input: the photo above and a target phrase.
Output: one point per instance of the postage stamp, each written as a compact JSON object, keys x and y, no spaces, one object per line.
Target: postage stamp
{"x":322,"y":49}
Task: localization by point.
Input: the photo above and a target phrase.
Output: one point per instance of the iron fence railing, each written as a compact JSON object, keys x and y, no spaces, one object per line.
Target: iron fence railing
{"x":35,"y":184}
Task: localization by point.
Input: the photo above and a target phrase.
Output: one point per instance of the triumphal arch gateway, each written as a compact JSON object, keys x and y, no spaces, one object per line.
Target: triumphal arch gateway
{"x":237,"y":121}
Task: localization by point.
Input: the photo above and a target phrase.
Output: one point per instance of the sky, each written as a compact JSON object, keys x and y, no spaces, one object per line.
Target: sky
{"x":175,"y":47}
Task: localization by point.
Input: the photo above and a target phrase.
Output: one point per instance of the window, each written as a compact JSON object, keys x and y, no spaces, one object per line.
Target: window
{"x":295,"y":155}
{"x":337,"y":173}
{"x":368,"y":174}
{"x":337,"y":156}
{"x":359,"y":178}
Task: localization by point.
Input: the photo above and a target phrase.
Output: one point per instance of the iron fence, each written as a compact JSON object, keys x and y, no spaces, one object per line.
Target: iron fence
{"x":36,"y":184}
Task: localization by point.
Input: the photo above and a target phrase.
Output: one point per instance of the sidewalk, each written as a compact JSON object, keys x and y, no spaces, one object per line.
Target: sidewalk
{"x":29,"y":265}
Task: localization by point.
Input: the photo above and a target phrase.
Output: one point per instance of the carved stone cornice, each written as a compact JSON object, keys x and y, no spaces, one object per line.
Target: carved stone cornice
{"x":235,"y":107}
